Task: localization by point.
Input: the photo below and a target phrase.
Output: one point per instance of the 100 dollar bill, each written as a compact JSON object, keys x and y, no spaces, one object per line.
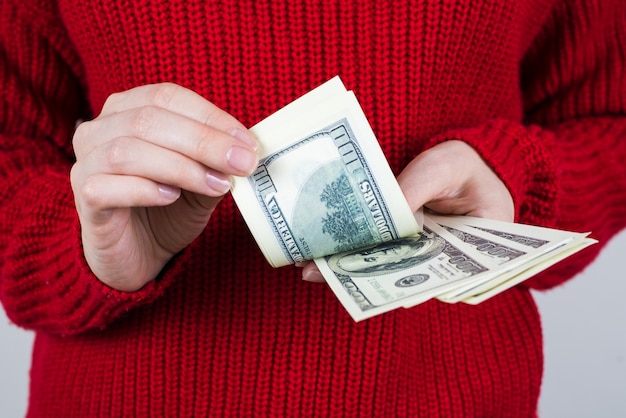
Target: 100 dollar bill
{"x":541,"y":248}
{"x":323,"y":185}
{"x":402,"y":273}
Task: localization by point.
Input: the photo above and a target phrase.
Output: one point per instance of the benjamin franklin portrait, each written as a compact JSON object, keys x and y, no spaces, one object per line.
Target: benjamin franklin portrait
{"x":389,"y":256}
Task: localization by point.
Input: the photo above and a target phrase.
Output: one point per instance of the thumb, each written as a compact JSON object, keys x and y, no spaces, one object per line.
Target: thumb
{"x":431,"y":176}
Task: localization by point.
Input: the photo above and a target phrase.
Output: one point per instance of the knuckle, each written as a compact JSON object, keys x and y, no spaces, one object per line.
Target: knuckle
{"x":143,"y":121}
{"x":161,"y":94}
{"x":80,"y":133}
{"x":75,"y":177}
{"x":205,"y":145}
{"x":214,"y":116}
{"x":117,"y":154}
{"x":113,"y":99}
{"x":89,"y":193}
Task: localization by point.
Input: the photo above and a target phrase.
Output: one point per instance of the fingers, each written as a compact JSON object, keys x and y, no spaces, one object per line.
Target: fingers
{"x":157,"y":135}
{"x":173,"y":98}
{"x":149,"y":171}
{"x":168,"y":134}
{"x":103,"y":191}
{"x":231,"y":153}
{"x":133,"y":157}
{"x":431,"y":176}
{"x":310,"y":272}
{"x":452,"y":178}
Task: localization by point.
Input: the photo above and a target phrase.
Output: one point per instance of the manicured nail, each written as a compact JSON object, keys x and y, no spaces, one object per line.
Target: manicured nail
{"x":218,"y":182}
{"x":242,"y":159}
{"x":169,"y":192}
{"x":245,"y":137}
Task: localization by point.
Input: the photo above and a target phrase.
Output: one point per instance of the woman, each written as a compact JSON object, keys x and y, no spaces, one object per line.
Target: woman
{"x":123,"y":251}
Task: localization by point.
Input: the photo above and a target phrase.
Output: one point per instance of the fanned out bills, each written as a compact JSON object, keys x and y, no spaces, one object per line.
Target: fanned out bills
{"x":324,"y":191}
{"x":455,"y":259}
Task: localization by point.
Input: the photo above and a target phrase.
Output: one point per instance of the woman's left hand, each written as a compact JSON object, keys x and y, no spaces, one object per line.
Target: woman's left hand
{"x":451,"y":179}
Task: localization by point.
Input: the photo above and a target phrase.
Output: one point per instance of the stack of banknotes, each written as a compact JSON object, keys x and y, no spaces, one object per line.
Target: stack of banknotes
{"x":324,"y":192}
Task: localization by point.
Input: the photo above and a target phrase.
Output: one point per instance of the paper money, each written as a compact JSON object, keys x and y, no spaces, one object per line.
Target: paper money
{"x":452,"y":264}
{"x":404,"y":272}
{"x":323,"y":191}
{"x":496,"y":287}
{"x":548,"y":245}
{"x":515,"y":247}
{"x":323,"y":185}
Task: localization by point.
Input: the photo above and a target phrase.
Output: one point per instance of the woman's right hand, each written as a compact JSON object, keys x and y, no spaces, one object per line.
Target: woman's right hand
{"x":150,"y":170}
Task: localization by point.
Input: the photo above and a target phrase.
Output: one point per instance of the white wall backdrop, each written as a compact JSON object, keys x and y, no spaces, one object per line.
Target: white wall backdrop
{"x":585,"y":346}
{"x":584,"y":325}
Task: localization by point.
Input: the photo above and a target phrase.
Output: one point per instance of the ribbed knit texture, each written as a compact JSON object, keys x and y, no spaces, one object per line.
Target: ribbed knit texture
{"x":537,"y":87}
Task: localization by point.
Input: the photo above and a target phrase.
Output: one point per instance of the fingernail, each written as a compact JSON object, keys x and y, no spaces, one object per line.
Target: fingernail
{"x":218,"y":182}
{"x":169,"y":192}
{"x":245,"y":137}
{"x":313,"y":276}
{"x":242,"y":159}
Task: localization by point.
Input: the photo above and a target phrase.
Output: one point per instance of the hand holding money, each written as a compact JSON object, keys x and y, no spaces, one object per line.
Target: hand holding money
{"x":149,"y":146}
{"x":323,"y":191}
{"x":455,"y":259}
{"x":452,"y":178}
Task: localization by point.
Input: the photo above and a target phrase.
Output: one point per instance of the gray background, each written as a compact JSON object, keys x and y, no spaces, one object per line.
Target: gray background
{"x":585,"y":346}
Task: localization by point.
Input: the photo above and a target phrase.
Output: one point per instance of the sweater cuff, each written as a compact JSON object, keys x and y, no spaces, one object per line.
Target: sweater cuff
{"x":47,"y":284}
{"x":520,"y":156}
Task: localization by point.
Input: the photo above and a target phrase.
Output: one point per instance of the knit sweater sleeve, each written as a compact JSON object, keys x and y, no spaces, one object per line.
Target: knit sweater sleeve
{"x":564,"y":164}
{"x":45,"y":283}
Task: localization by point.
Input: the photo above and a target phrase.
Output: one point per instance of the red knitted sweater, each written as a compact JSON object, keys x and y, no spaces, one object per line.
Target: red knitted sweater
{"x":537,"y":87}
